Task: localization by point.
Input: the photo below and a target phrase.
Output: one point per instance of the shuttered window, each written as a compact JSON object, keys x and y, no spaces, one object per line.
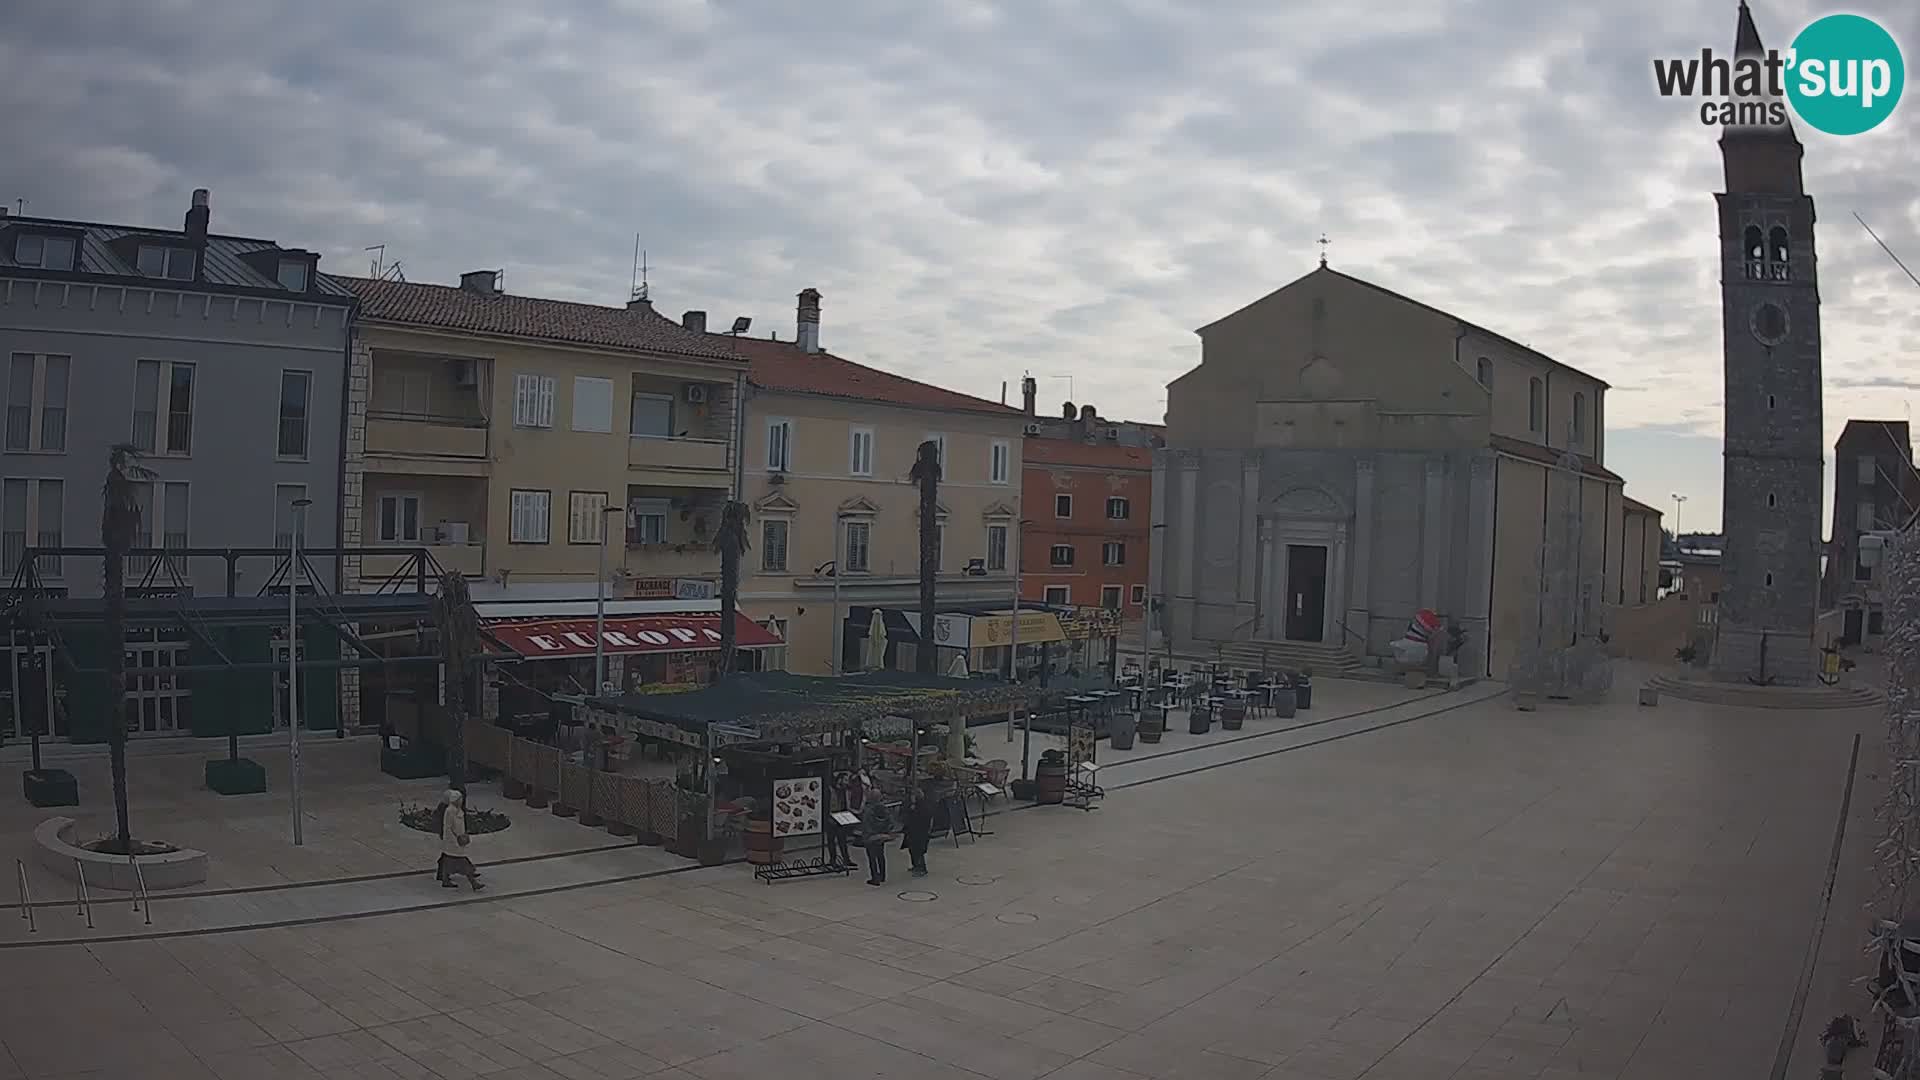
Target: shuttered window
{"x":530,"y":517}
{"x":533,"y":401}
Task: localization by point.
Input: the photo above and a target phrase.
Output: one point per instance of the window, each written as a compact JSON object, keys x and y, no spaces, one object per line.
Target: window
{"x":1579,"y":419}
{"x":1861,"y":571}
{"x":1483,"y":371}
{"x":586,"y":516}
{"x":860,"y":452}
{"x":1867,"y":473}
{"x":399,"y":519}
{"x":939,"y":442}
{"x":157,"y":260}
{"x":773,"y":545}
{"x":294,"y":386}
{"x":287,"y":516}
{"x":533,"y":402}
{"x":1063,"y":506}
{"x":1058,"y":594}
{"x":652,"y":416}
{"x":405,"y":393}
{"x":1139,"y":594}
{"x":1770,"y":500}
{"x":1118,"y":509}
{"x":1113,"y":553}
{"x":163,"y":407}
{"x":647,"y":521}
{"x":1110,"y":597}
{"x":49,"y":517}
{"x":592,"y":404}
{"x":1536,"y":400}
{"x":174,"y":510}
{"x":37,"y":407}
{"x":1061,"y":555}
{"x":529,"y":517}
{"x":44,"y":252}
{"x":858,"y":550}
{"x":779,"y":445}
{"x":293,"y":275}
{"x":1769,"y":402}
{"x":13,"y":524}
{"x":996,"y":547}
{"x":1863,"y":518}
{"x":999,"y":461}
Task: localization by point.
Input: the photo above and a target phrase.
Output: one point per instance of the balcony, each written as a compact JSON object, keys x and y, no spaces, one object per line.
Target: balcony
{"x":431,"y":443}
{"x":691,"y":559}
{"x":682,"y":462}
{"x":468,"y":559}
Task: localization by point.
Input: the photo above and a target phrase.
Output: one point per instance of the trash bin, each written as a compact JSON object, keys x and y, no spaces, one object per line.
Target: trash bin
{"x":1302,"y":692}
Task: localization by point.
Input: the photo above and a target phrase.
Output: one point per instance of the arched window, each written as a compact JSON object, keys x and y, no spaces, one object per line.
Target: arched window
{"x":1484,"y":372}
{"x":1777,"y":244}
{"x":1755,"y":246}
{"x":1579,"y":419}
{"x":1536,"y":404}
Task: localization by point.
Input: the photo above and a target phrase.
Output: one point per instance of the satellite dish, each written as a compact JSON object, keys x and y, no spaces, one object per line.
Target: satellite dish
{"x":740,"y":324}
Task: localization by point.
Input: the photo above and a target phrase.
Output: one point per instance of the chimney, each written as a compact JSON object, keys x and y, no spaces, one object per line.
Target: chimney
{"x":197,"y":217}
{"x":1088,"y":414}
{"x":695,"y":321}
{"x":807,"y":330}
{"x":1067,"y":411}
{"x":1029,"y":392}
{"x":484,"y":282}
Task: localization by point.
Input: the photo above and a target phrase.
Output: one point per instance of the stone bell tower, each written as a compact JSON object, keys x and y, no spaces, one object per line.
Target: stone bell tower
{"x":1774,"y":468}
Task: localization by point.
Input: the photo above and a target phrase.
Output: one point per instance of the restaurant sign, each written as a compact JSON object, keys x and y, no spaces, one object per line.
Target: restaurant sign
{"x":1035,"y":627}
{"x":1089,"y":622}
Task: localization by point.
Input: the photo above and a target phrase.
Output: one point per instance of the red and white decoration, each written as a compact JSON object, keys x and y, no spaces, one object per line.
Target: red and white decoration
{"x":538,"y":639}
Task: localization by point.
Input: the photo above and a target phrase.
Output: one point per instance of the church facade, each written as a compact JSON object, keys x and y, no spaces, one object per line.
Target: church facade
{"x":1345,"y":456}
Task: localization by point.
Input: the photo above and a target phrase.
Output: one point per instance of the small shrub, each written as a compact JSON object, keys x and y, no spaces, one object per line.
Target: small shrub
{"x":1686,"y":653}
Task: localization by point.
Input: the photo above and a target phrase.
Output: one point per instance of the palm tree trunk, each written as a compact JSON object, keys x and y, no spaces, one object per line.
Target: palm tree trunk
{"x":731,"y":541}
{"x":116,"y":588}
{"x":927,"y":473}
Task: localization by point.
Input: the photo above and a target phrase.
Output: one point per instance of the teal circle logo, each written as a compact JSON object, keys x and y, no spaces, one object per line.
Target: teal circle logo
{"x":1844,"y":74}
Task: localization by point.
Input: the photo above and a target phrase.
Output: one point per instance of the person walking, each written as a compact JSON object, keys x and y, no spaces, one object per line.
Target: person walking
{"x":839,"y":850}
{"x":876,"y":831}
{"x":453,"y":843}
{"x":918,"y":832}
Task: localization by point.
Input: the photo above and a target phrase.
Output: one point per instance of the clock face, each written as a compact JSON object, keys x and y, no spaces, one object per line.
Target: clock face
{"x":1769,"y":323}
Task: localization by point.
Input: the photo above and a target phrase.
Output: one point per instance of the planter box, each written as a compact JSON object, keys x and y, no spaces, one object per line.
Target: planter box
{"x":1023,"y":790}
{"x":240,"y":776}
{"x":1285,"y":702}
{"x":1150,"y":735}
{"x":1199,"y":722}
{"x":512,"y":789}
{"x":537,"y":799}
{"x":50,"y":787}
{"x":1233,"y":718}
{"x":1122,"y":739}
{"x":1649,"y":696}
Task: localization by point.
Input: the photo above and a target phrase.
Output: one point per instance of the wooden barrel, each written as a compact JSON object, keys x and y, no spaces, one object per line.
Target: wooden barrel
{"x":1050,"y":783}
{"x":762,"y":846}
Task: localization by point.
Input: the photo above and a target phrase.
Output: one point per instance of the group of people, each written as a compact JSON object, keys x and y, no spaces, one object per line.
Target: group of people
{"x":856,"y":793}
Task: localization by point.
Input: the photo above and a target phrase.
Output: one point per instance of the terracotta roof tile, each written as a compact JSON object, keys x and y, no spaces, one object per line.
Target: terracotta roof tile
{"x":452,"y":308}
{"x":1096,"y":455}
{"x":1546,"y":456}
{"x":782,"y":366}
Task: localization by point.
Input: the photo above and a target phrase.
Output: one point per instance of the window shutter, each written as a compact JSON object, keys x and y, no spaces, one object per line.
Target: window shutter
{"x":544,"y":414}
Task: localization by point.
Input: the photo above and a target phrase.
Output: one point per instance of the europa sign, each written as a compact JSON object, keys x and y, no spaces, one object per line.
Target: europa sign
{"x":535,"y":638}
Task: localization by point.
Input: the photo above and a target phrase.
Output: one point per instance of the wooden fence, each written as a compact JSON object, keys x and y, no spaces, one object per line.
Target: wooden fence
{"x":628,"y":805}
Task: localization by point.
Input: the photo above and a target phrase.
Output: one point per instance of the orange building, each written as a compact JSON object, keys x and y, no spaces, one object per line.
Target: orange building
{"x":1085,"y":528}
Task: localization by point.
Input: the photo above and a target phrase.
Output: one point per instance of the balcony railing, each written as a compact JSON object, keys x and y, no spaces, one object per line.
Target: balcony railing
{"x":692,"y":455}
{"x":690,"y":559}
{"x":468,"y":559}
{"x":432,"y":436}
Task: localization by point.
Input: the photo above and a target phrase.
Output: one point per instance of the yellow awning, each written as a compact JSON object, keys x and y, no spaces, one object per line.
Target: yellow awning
{"x":1035,"y":627}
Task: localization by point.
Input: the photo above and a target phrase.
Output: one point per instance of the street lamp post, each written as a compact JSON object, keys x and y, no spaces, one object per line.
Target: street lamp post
{"x":600,"y":606}
{"x":293,"y":663}
{"x":1678,"y":501}
{"x":1146,"y":631}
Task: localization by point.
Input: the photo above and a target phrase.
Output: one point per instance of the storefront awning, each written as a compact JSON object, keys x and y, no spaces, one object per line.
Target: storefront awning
{"x":539,"y":639}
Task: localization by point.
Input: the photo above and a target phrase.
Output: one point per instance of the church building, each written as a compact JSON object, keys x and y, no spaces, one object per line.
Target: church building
{"x":1345,"y":456}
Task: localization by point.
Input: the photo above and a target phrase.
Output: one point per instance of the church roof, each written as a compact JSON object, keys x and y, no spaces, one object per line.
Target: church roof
{"x":1634,"y":505}
{"x":1542,"y":455}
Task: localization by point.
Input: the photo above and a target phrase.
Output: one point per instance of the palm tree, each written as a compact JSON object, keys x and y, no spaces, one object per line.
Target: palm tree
{"x":926,"y":473}
{"x":119,"y":528}
{"x":459,"y":628}
{"x":730,"y":540}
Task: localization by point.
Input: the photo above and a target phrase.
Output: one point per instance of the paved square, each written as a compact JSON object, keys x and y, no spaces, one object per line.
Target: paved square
{"x":1477,"y":894}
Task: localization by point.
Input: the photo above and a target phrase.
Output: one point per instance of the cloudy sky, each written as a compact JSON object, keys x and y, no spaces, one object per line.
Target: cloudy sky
{"x":980,"y":188}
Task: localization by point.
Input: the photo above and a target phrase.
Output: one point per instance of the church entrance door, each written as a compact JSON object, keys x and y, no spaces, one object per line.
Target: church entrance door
{"x":1306,"y":592}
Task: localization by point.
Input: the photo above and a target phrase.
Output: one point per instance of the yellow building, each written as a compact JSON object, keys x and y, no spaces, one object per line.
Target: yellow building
{"x":503,"y":434}
{"x":828,"y":445}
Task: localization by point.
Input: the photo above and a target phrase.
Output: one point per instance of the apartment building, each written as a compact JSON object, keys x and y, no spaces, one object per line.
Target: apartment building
{"x":511,"y":435}
{"x":829,"y":444}
{"x":1875,"y":490}
{"x":221,"y":359}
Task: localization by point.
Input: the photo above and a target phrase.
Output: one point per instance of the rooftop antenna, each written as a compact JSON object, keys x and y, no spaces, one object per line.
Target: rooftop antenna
{"x":379,"y":257}
{"x":19,"y":207}
{"x":637,"y":288}
{"x":1323,"y":242}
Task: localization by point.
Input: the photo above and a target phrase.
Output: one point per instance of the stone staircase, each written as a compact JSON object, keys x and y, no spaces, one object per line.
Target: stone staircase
{"x":1327,"y":660}
{"x":1748,"y":696}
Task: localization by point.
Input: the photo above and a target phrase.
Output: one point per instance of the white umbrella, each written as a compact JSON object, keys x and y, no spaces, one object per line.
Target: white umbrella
{"x":876,"y":642}
{"x":958,"y":669}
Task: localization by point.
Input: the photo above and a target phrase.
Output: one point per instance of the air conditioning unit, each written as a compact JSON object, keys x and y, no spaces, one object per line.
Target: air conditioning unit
{"x":696,"y":393}
{"x":1113,"y":434}
{"x":466,"y":373}
{"x":1033,"y":429}
{"x":452,"y":532}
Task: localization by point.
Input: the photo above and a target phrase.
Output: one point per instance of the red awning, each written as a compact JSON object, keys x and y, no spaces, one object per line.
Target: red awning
{"x":541,"y":638}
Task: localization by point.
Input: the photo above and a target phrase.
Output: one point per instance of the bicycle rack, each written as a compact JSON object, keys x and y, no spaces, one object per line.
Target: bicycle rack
{"x":82,"y":903}
{"x":26,"y":896}
{"x":141,"y":901}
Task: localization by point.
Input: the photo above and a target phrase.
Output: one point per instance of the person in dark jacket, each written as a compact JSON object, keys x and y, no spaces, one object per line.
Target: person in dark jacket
{"x":839,"y":850}
{"x":876,"y":831}
{"x":918,"y":832}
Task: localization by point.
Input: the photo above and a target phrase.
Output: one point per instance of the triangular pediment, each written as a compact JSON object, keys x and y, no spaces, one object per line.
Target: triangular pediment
{"x":997,"y":511}
{"x":861,"y":505}
{"x":776,"y":502}
{"x":939,"y":511}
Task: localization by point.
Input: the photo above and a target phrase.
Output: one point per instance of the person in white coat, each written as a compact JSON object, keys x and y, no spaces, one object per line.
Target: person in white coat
{"x":453,"y":844}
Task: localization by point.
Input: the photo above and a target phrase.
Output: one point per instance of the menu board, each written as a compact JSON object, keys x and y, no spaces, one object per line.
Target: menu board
{"x":796,"y":806}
